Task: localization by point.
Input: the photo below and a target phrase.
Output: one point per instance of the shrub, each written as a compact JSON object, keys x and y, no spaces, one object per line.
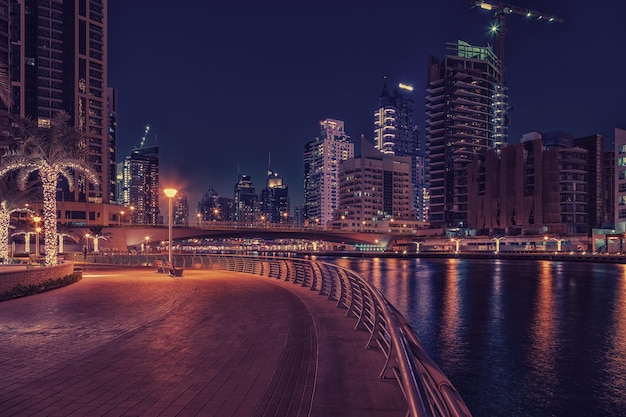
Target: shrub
{"x":47,"y":285}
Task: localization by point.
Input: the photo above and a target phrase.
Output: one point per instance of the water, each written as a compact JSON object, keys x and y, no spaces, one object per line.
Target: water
{"x":516,"y":338}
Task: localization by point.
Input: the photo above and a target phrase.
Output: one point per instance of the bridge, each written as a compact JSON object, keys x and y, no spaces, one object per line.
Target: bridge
{"x":129,"y":236}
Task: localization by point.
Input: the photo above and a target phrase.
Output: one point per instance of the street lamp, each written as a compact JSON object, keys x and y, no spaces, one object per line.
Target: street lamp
{"x":147,"y":239}
{"x":37,"y":219}
{"x":199,"y":216}
{"x":498,"y":239}
{"x":132,"y":210}
{"x":458,"y":243}
{"x":119,"y":219}
{"x":558,"y":242}
{"x":170,"y":193}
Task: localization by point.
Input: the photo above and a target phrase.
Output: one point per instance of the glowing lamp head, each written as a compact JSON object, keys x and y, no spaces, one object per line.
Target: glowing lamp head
{"x":493,"y":28}
{"x":36,"y":219}
{"x":170,"y":192}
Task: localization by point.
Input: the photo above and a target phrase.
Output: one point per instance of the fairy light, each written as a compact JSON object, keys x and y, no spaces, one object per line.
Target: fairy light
{"x":5,"y":222}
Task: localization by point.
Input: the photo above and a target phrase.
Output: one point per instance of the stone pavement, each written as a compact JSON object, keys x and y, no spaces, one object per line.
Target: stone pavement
{"x":131,"y":342}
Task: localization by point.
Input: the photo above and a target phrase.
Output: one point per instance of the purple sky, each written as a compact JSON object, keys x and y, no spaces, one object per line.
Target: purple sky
{"x":224,"y":84}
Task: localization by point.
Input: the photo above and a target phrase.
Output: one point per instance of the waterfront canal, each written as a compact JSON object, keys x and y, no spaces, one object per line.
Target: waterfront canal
{"x":516,"y":337}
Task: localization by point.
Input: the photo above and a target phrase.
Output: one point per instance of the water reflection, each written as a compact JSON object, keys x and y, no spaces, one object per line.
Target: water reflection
{"x":615,"y":369}
{"x":543,"y":346}
{"x":531,"y":338}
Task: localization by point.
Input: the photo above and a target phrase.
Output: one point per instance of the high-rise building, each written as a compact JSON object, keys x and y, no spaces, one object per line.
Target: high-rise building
{"x":464,"y":120}
{"x":213,"y":208}
{"x":112,"y":146}
{"x":58,"y":62}
{"x":540,"y":185}
{"x":140,"y":176}
{"x":246,"y":201}
{"x":594,"y":145}
{"x":396,"y":133}
{"x":608,"y":197}
{"x":274,"y":203}
{"x":5,"y":85}
{"x":180,"y":209}
{"x":620,"y":180}
{"x":322,"y":157}
{"x":375,"y":192}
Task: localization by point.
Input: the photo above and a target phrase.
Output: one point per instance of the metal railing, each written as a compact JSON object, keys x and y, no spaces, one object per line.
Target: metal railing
{"x":427,"y":390}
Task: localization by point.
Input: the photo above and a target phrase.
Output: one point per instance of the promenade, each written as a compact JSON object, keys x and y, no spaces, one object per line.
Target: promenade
{"x":132,"y":342}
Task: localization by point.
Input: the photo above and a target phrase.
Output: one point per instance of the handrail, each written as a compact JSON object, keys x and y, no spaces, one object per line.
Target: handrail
{"x":428,"y":392}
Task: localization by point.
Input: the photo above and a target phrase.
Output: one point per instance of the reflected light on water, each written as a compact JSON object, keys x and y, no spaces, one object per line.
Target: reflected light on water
{"x":542,"y":330}
{"x":616,"y":355}
{"x":451,"y":321}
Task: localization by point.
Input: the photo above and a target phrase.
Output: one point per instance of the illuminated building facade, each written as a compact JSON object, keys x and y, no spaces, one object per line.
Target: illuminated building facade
{"x":246,"y":201}
{"x":620,"y":181}
{"x":274,"y":203}
{"x":58,"y":62}
{"x":140,"y":176}
{"x":375,"y":190}
{"x":396,"y":133}
{"x":180,"y":209}
{"x":112,"y":145}
{"x":213,"y":208}
{"x":464,"y":120}
{"x":322,"y":157}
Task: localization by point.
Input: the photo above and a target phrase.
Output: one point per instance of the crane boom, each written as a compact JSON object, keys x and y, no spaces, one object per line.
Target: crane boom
{"x":501,"y":10}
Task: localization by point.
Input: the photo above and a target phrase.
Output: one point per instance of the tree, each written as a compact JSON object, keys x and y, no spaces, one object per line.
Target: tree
{"x":50,"y":152}
{"x":96,"y":233}
{"x":12,"y":200}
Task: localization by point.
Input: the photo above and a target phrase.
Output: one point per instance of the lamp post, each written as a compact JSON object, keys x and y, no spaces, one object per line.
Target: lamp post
{"x":170,"y":193}
{"x":132,"y":211}
{"x":199,"y":216}
{"x":119,"y":219}
{"x":498,"y":239}
{"x":147,"y":239}
{"x":458,"y":244}
{"x":37,"y":219}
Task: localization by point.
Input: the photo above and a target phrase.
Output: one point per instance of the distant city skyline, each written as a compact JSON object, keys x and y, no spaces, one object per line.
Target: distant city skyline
{"x":224,"y":85}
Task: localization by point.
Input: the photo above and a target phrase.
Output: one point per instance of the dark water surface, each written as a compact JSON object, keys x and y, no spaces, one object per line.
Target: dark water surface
{"x":516,"y":338}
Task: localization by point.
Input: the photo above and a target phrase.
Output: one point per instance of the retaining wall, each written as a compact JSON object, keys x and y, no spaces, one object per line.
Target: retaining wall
{"x":33,"y":276}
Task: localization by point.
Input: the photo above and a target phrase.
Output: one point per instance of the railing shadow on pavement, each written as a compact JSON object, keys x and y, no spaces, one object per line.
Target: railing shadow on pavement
{"x":428,"y":392}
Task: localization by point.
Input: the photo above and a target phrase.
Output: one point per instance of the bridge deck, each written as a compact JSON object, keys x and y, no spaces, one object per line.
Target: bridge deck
{"x":213,"y":343}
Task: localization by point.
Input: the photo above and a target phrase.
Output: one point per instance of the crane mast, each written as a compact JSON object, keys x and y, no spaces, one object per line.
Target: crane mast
{"x":501,"y":10}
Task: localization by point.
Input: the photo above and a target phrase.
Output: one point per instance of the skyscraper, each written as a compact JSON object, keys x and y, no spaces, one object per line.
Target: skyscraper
{"x":274,"y":202}
{"x":464,"y":119}
{"x":246,"y":201}
{"x":181,"y":209}
{"x":140,"y":176}
{"x":58,"y":62}
{"x":620,"y":181}
{"x":396,"y":133}
{"x":322,"y":157}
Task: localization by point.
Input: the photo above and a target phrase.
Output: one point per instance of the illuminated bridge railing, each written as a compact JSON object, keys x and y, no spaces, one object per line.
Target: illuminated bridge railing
{"x":427,"y":390}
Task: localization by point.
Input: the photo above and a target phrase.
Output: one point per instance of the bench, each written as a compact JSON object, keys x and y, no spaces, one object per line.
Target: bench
{"x":174,"y":272}
{"x":159,"y":266}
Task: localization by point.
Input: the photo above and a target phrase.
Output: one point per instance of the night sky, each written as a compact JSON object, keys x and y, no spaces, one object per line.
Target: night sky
{"x":223,"y":85}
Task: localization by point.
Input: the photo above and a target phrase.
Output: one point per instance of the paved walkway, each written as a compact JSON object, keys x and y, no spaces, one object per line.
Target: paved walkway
{"x":213,"y":343}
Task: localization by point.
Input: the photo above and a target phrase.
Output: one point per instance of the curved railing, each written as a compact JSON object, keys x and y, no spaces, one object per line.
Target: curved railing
{"x":427,"y":390}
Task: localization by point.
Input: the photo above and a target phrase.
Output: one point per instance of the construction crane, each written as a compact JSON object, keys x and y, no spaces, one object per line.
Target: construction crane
{"x":501,"y":10}
{"x":145,"y":134}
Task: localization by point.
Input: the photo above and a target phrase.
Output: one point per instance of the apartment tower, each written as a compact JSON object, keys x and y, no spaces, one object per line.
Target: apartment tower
{"x":396,"y":133}
{"x":464,"y":119}
{"x":58,"y":62}
{"x":322,"y":157}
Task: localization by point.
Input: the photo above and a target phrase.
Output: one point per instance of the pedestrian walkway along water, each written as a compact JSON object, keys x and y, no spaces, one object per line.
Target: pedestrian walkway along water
{"x":212,"y":343}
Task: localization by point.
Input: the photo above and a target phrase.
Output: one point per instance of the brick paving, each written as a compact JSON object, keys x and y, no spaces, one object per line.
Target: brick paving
{"x":131,"y":342}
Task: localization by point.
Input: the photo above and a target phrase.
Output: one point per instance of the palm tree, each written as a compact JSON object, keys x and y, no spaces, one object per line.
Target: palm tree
{"x":51,"y":152}
{"x":12,"y":200}
{"x":95,"y":233}
{"x":64,"y":231}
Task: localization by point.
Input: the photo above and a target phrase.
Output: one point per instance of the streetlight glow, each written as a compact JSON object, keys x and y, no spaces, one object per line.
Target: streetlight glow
{"x":170,"y":193}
